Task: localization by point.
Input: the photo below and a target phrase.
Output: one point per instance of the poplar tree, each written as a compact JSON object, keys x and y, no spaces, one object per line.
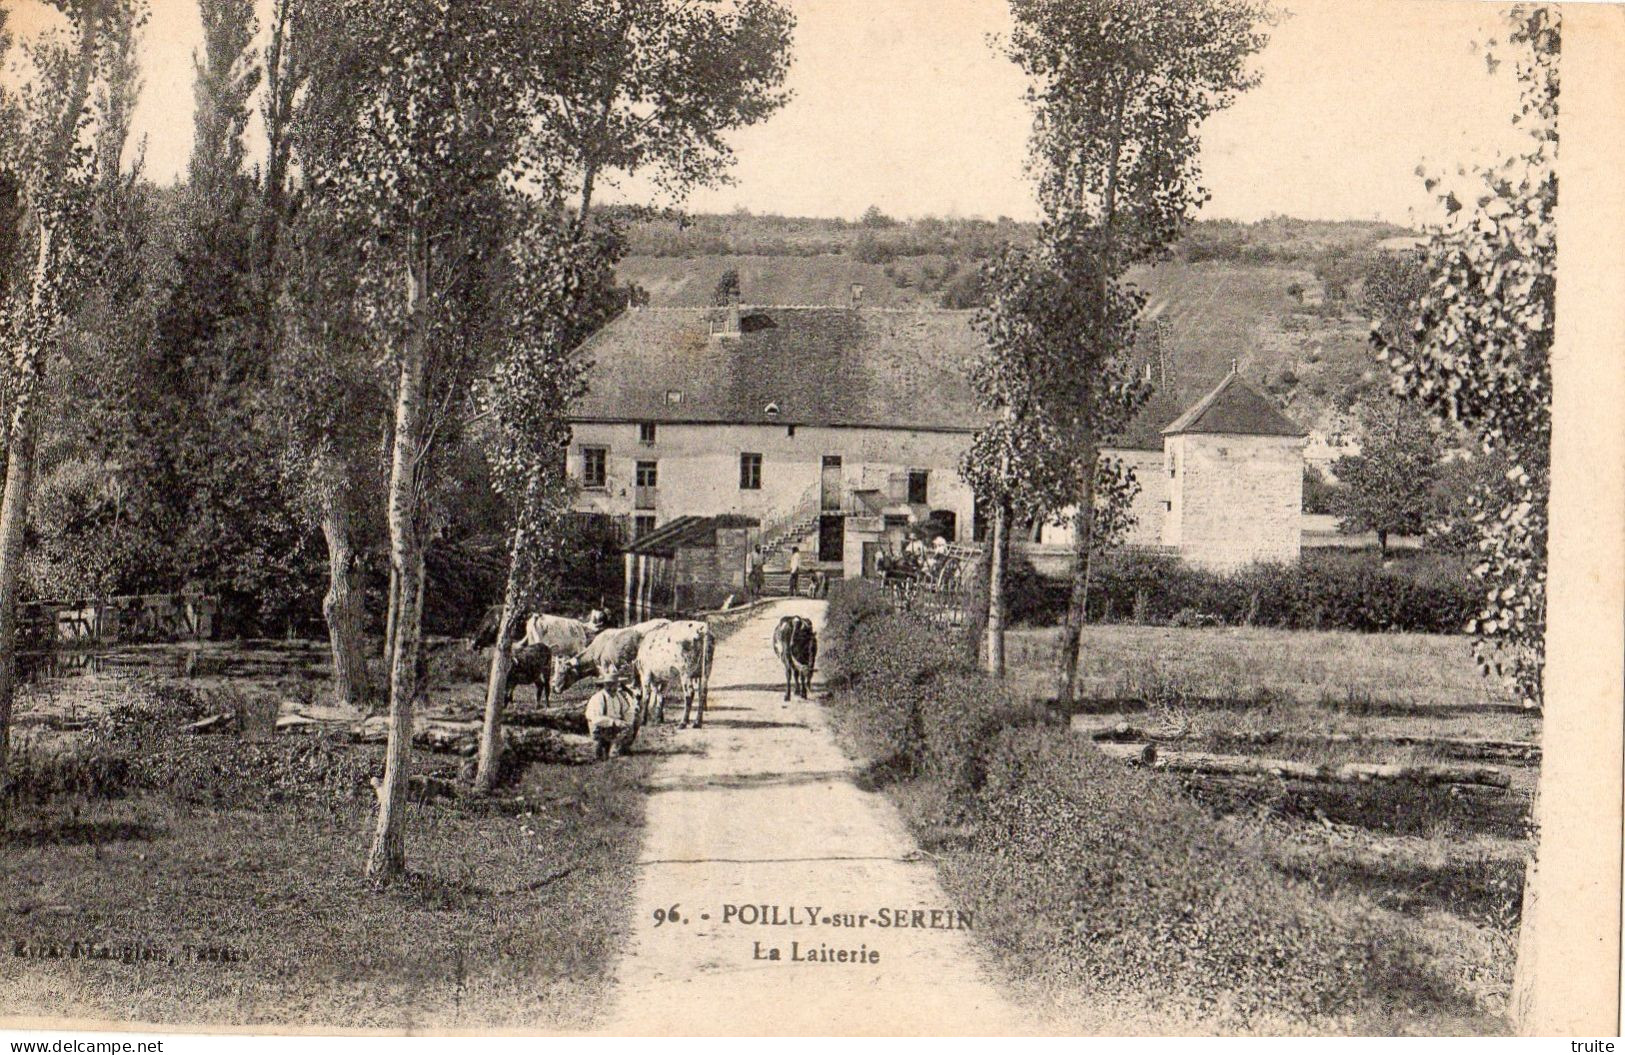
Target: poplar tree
{"x":440,"y":127}
{"x":1119,"y":90}
{"x":628,"y":86}
{"x":48,"y":157}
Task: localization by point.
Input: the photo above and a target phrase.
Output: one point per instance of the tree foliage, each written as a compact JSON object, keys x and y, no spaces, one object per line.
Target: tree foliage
{"x":651,"y":86}
{"x":1050,"y":376}
{"x":1118,"y":91}
{"x":1119,"y":88}
{"x":1390,"y":487}
{"x":1479,"y":352}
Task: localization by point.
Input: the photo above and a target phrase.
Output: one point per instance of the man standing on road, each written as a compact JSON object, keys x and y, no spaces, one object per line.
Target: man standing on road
{"x":613,"y":715}
{"x":795,"y":569}
{"x":753,"y":572}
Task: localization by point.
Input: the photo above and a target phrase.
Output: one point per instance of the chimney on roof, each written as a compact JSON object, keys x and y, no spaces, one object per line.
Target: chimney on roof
{"x":729,"y":326}
{"x":857,"y":295}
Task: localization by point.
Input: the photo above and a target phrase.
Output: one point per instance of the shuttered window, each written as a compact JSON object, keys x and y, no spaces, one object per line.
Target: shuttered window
{"x":594,"y":466}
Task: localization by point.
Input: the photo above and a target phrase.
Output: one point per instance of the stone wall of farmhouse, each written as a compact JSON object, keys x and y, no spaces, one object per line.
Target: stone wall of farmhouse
{"x":698,"y":467}
{"x":1149,"y":509}
{"x":1222,"y":501}
{"x":1235,"y":499}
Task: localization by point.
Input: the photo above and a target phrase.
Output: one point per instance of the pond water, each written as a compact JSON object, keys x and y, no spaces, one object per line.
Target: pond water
{"x":254,"y":660}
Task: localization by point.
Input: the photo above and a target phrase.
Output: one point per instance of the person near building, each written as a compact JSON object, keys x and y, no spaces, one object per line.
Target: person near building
{"x":795,"y":569}
{"x":753,"y":572}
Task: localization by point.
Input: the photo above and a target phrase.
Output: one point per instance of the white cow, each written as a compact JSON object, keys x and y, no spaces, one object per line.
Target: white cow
{"x":564,"y":637}
{"x":677,"y":656}
{"x":617,"y":649}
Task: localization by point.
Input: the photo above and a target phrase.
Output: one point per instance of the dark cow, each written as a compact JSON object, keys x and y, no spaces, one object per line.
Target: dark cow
{"x":491,"y":622}
{"x":796,"y":645}
{"x":532,"y":665}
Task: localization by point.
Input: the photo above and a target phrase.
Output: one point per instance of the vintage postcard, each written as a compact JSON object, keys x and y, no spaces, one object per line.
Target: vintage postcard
{"x":811,"y":517}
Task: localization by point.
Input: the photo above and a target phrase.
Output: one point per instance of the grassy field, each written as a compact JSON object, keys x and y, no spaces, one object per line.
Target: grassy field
{"x":1343,"y":676}
{"x":240,"y":864}
{"x":1446,"y":863}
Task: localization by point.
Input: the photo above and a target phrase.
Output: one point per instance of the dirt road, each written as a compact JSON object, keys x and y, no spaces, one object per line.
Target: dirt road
{"x":759,"y":838}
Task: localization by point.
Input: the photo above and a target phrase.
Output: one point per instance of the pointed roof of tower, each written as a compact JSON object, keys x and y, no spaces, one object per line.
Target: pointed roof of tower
{"x":1234,"y":408}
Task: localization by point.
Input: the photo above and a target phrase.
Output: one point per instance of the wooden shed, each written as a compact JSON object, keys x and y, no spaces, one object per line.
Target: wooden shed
{"x":689,"y":564}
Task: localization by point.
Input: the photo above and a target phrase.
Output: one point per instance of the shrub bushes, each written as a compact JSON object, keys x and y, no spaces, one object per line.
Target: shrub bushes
{"x":1323,"y":591}
{"x":915,"y":698}
{"x":1139,"y":892}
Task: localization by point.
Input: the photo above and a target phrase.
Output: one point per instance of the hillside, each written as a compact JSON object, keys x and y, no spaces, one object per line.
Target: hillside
{"x":1313,"y":359}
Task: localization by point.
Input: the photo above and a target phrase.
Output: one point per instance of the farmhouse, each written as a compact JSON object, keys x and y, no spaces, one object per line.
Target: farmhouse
{"x":837,"y":429}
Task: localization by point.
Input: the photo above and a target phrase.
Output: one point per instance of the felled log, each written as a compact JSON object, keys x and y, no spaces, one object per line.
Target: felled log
{"x":1458,"y":747}
{"x":459,"y":738}
{"x":215,"y":723}
{"x":425,"y":788}
{"x":436,"y":736}
{"x":567,"y":719}
{"x":1338,"y":772}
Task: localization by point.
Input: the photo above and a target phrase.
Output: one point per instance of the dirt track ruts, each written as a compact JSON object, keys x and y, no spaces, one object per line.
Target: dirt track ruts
{"x":759,"y":808}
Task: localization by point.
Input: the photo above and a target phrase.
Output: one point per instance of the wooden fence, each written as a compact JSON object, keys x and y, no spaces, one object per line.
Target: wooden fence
{"x":936,"y":585}
{"x":113,"y":620}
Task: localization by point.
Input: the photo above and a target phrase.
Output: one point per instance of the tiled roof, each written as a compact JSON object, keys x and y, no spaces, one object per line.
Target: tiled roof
{"x":1234,"y":409}
{"x":1144,"y":433}
{"x":685,"y":532}
{"x":867,"y":367}
{"x":888,"y":368}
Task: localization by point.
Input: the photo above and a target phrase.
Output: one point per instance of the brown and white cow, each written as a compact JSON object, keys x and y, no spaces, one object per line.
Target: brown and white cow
{"x":617,"y":649}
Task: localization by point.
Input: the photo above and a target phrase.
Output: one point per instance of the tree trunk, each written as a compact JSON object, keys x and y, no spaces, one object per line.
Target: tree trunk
{"x":343,"y":606}
{"x":13,"y":519}
{"x":387,"y":859}
{"x":28,"y":372}
{"x":1077,"y":609}
{"x":496,"y":686}
{"x":496,"y":694}
{"x":21,"y":431}
{"x":997,"y":608}
{"x":1382,"y":543}
{"x":389,"y":616}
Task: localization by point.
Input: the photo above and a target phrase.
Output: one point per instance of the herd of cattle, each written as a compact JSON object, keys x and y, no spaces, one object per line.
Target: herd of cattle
{"x":657,"y":657}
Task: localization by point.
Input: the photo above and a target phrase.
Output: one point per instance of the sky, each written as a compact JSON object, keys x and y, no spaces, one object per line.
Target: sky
{"x":906,"y":105}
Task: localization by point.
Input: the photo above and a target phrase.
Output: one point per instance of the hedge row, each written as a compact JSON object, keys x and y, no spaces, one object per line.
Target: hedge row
{"x":1342,"y":591}
{"x":1103,"y":879}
